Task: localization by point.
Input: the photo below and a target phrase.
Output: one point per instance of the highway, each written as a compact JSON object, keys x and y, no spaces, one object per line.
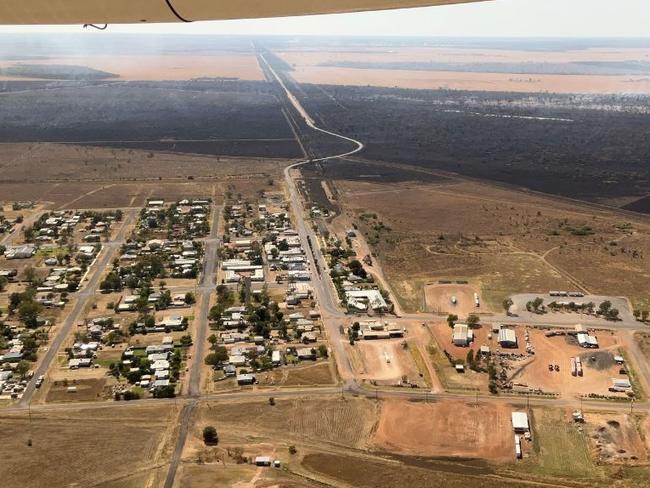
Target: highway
{"x":106,"y":256}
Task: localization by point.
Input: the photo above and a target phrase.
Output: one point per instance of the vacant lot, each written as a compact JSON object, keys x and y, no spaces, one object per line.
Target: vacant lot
{"x":303,"y":375}
{"x":210,"y":475}
{"x":452,"y":298}
{"x":346,"y":422}
{"x":365,"y":472}
{"x":78,"y":390}
{"x":99,"y":446}
{"x":384,"y":362}
{"x":446,"y":429}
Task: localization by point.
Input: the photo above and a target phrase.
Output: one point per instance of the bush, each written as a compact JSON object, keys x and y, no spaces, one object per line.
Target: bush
{"x":210,"y":436}
{"x":292,"y":449}
{"x":131,"y":395}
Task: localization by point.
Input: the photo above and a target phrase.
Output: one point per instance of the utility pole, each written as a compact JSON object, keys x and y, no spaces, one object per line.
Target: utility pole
{"x":29,"y":413}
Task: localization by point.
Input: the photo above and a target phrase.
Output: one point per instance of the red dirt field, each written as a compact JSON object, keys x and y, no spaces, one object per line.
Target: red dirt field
{"x":446,"y":429}
{"x":384,"y":361}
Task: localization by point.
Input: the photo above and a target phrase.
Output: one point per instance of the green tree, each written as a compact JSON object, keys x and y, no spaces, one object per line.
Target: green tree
{"x":507,"y":303}
{"x":322,"y":351}
{"x":451,"y":320}
{"x":469,"y":359}
{"x":22,"y":368}
{"x":28,"y":311}
{"x":210,"y":436}
{"x":473,"y":321}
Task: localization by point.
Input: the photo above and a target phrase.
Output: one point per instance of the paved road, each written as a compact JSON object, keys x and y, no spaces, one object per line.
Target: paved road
{"x":324,"y":290}
{"x":105,"y":257}
{"x":206,"y":287}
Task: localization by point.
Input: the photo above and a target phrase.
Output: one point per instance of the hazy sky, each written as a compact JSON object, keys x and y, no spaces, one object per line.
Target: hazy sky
{"x":536,"y":18}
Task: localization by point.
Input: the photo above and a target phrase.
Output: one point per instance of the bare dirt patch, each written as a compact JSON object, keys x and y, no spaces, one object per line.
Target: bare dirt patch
{"x":456,"y":299}
{"x":615,"y":438}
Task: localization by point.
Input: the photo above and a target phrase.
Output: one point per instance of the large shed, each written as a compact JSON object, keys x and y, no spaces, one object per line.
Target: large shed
{"x":520,"y":422}
{"x":507,"y":337}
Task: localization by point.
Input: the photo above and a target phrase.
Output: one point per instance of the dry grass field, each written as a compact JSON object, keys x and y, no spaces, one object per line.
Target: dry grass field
{"x":320,"y":373}
{"x":97,"y":177}
{"x":112,"y":446}
{"x":498,"y":239}
{"x":34,"y":162}
{"x":237,"y":475}
{"x":309,"y":68}
{"x":335,"y":421}
{"x":163,"y":67}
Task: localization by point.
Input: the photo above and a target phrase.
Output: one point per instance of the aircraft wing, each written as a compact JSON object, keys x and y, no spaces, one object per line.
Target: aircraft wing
{"x":18,"y":12}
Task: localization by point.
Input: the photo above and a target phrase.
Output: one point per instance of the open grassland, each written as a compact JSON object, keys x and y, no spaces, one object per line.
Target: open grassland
{"x":501,"y":240}
{"x":210,"y":475}
{"x":112,"y":446}
{"x":47,"y":162}
{"x":365,"y":472}
{"x":70,"y":176}
{"x":643,"y":340}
